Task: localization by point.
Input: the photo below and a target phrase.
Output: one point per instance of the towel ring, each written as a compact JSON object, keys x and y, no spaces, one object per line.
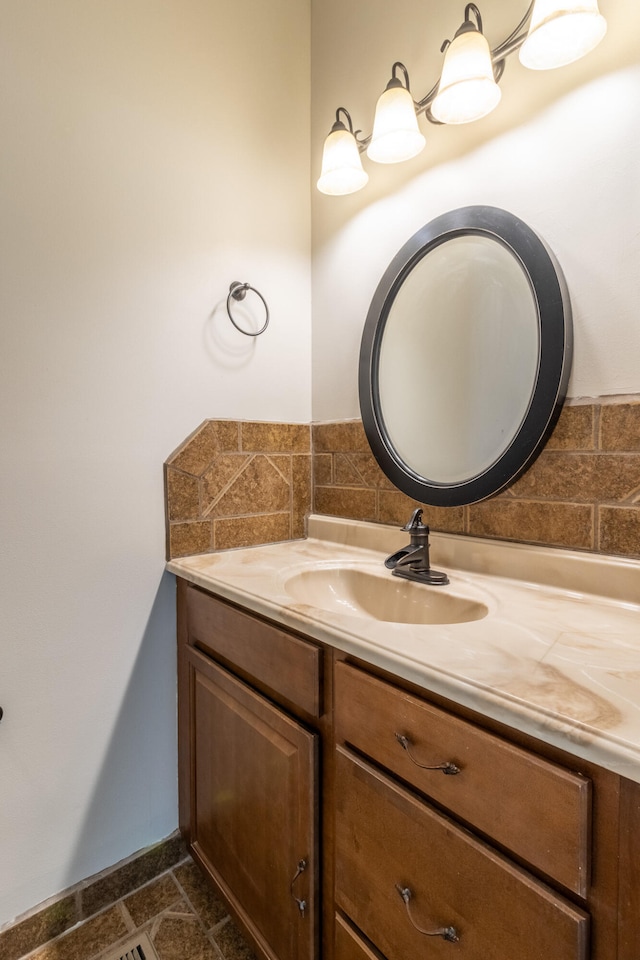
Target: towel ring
{"x":238,"y":291}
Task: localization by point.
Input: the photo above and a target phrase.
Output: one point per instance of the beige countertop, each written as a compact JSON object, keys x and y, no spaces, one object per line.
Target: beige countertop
{"x":557,"y":654}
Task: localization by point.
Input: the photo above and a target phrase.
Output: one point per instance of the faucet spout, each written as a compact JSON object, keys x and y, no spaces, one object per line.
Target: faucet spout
{"x":412,"y":562}
{"x":413,"y":555}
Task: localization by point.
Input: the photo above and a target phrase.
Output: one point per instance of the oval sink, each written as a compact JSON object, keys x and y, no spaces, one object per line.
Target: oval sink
{"x":356,"y":592}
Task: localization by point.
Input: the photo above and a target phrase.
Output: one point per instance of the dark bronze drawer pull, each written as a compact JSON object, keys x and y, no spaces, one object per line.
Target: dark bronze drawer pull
{"x":447,"y":933}
{"x":448,"y":767}
{"x":302,"y":904}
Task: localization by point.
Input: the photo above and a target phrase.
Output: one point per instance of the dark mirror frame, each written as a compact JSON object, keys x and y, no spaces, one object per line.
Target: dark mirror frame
{"x":554,"y":356}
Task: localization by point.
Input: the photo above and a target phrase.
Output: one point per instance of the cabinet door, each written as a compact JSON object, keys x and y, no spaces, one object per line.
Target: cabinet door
{"x":254,"y":809}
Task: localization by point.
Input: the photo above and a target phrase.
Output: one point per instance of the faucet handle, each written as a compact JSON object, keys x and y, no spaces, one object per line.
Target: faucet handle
{"x":415,"y":523}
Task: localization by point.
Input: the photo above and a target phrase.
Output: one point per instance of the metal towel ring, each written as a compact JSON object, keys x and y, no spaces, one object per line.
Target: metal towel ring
{"x":238,"y":291}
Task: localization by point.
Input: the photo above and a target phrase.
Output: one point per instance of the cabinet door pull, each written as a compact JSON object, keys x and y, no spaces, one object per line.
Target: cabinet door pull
{"x":448,"y":767}
{"x":302,"y":904}
{"x":447,"y":933}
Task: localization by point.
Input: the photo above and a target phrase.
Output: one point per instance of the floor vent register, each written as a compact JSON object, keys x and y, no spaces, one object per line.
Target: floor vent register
{"x":138,"y":948}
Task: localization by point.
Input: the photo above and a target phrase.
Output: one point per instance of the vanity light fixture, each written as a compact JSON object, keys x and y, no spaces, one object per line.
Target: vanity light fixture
{"x":551,"y":34}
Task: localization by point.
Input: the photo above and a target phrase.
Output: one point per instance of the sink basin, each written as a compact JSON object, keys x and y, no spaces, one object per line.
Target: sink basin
{"x":356,"y":592}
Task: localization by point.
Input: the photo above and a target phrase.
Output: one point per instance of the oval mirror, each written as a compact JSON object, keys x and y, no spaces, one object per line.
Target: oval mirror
{"x":465,"y":356}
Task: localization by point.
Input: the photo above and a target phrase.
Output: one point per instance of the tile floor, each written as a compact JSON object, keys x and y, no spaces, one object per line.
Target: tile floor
{"x":177,"y":909}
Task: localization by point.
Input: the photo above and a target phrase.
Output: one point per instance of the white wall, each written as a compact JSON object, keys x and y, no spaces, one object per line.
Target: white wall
{"x":152,"y":153}
{"x":562,"y":151}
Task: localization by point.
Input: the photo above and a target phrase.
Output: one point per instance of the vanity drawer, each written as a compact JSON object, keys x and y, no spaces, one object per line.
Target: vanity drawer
{"x":534,"y":808}
{"x":349,"y":946}
{"x":388,"y":841}
{"x":277,"y":661}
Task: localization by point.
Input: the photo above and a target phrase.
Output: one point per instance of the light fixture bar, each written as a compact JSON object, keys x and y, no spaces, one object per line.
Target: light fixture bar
{"x":543,"y":18}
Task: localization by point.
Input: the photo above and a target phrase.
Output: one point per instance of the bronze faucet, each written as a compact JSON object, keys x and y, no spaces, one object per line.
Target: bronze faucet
{"x":412,"y":562}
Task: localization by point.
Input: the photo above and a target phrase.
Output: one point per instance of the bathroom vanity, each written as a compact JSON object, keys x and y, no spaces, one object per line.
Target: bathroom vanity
{"x":362,"y":788}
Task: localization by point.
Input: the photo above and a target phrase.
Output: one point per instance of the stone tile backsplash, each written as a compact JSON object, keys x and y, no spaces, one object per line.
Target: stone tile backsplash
{"x":236,"y":483}
{"x":582,"y":492}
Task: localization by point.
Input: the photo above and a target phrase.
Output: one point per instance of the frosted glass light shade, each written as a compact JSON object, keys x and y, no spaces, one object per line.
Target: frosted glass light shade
{"x":560,"y":32}
{"x":342,"y":171}
{"x":467,"y":89}
{"x":395,"y":136}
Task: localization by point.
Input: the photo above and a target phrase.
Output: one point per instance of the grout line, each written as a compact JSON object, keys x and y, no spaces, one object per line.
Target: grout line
{"x":268,"y":457}
{"x":250,"y":516}
{"x":193,"y":909}
{"x":597,"y":428}
{"x":246,"y":460}
{"x":208,"y":931}
{"x":126,"y":916}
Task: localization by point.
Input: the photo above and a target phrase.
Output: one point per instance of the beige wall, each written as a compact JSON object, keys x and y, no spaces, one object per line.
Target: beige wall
{"x":561,"y":151}
{"x":153,"y":152}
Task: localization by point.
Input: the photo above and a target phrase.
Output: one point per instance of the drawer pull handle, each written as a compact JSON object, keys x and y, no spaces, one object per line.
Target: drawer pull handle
{"x":447,"y":933}
{"x":302,"y":904}
{"x":448,"y":767}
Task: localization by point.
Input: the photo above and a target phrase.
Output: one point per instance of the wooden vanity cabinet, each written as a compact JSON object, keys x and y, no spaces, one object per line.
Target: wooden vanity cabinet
{"x":432,"y":818}
{"x":249,"y":770}
{"x":547,"y":842}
